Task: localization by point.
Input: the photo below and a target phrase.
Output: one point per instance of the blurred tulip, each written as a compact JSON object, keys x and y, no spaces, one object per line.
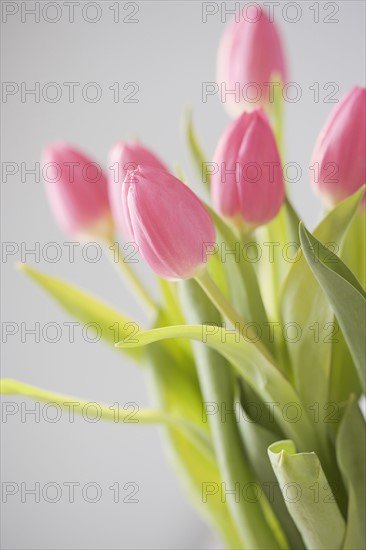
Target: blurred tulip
{"x":126,"y":156}
{"x":77,"y":192}
{"x":247,"y":184}
{"x":250,"y":58}
{"x":167,"y":221}
{"x":338,"y":165}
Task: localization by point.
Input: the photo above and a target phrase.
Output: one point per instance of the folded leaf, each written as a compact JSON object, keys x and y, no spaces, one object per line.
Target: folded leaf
{"x":351,"y":456}
{"x":111,"y":324}
{"x":308,"y":496}
{"x":345,"y":294}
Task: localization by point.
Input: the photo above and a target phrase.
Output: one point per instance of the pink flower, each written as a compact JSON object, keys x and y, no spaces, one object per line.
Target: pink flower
{"x":338,"y":165}
{"x":167,"y":221}
{"x":248,"y":183}
{"x":126,"y":156}
{"x":250,"y":55}
{"x":77,"y":192}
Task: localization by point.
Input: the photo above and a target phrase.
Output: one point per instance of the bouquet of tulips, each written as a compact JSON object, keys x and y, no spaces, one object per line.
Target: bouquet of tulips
{"x":256,"y":359}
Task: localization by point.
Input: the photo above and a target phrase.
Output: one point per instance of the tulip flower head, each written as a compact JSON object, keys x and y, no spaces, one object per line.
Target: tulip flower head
{"x":77,"y":192}
{"x":338,"y":165}
{"x":167,"y":221}
{"x":250,"y":58}
{"x":248,"y":183}
{"x":124,"y":157}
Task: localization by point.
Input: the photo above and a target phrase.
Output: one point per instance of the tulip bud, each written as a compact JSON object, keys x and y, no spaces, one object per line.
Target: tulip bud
{"x":77,"y":192}
{"x":248,"y":183}
{"x":167,"y":221}
{"x":124,"y":157}
{"x":338,"y":165}
{"x":250,"y":58}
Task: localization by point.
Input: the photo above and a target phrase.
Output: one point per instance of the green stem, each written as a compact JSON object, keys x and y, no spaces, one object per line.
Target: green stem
{"x":254,"y":521}
{"x":129,"y":275}
{"x":228,"y":312}
{"x":217,"y":383}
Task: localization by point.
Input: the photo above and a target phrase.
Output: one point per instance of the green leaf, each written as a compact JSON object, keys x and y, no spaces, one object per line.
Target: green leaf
{"x":256,"y":411}
{"x":354,"y":246}
{"x":175,"y":375}
{"x":308,"y":496}
{"x":180,"y":174}
{"x":195,"y":148}
{"x":256,"y":440}
{"x":171,"y":314}
{"x":172,"y":310}
{"x":250,"y":363}
{"x":272,"y":267}
{"x":305,"y":307}
{"x":344,"y":293}
{"x":292,"y":220}
{"x":343,"y":381}
{"x":110,"y":413}
{"x":255,"y":521}
{"x":351,"y":456}
{"x":111,"y":324}
{"x":344,"y":378}
{"x":317,"y":253}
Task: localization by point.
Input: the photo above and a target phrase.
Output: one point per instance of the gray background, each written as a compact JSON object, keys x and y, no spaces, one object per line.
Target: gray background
{"x":169,"y":53}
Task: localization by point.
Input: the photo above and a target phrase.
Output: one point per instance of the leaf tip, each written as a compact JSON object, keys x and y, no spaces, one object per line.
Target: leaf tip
{"x":20,"y":266}
{"x":7,"y":386}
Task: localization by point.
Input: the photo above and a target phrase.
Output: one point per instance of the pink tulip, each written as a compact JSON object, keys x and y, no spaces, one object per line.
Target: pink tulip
{"x":248,"y":183}
{"x":126,"y":156}
{"x":338,"y":166}
{"x":250,"y":55}
{"x":77,"y":192}
{"x":167,"y":221}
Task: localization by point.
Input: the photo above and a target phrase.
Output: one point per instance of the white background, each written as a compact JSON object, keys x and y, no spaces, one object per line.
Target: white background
{"x":170,"y":52}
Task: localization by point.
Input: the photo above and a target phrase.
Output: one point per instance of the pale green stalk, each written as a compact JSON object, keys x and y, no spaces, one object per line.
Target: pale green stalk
{"x":228,"y":312}
{"x":119,"y":261}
